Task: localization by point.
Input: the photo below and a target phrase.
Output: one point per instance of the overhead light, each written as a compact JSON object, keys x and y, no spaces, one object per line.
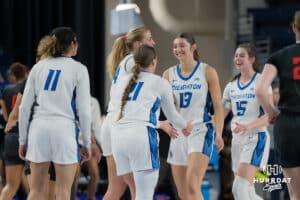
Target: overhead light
{"x":124,"y":17}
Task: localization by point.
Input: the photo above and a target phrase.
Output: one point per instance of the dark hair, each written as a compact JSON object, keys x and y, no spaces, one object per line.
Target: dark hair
{"x":251,"y":50}
{"x":18,"y":70}
{"x":190,"y":39}
{"x":63,"y":36}
{"x":143,"y":56}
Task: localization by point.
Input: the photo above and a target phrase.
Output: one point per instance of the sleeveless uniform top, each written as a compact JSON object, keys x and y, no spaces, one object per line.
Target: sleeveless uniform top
{"x":243,"y":102}
{"x":191,"y":93}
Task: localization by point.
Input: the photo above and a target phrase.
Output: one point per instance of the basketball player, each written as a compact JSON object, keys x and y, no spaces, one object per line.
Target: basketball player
{"x":251,"y":141}
{"x":53,"y":84}
{"x":121,"y":63}
{"x":285,"y":64}
{"x":196,"y":88}
{"x":134,"y":138}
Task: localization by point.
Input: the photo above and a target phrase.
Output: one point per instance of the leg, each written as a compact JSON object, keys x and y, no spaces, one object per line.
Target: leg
{"x":116,"y":184}
{"x":2,"y":175}
{"x":179,"y":175}
{"x":51,"y":190}
{"x":294,"y":184}
{"x":198,"y":163}
{"x":13,"y":180}
{"x":145,"y":182}
{"x":24,"y":182}
{"x":243,"y":183}
{"x":129,"y":180}
{"x":92,"y":166}
{"x":39,"y":180}
{"x":74,"y":188}
{"x":64,"y":178}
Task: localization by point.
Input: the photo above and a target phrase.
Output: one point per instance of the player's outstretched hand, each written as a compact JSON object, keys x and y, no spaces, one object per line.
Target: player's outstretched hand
{"x":168,"y":128}
{"x":85,"y":154}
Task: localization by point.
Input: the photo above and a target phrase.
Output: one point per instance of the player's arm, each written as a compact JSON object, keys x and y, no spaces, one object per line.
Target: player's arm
{"x":268,"y":75}
{"x":226,"y":100}
{"x":96,"y":120}
{"x":24,"y":112}
{"x":14,"y":114}
{"x":83,"y":103}
{"x":4,"y":110}
{"x":215,"y":92}
{"x":168,"y":107}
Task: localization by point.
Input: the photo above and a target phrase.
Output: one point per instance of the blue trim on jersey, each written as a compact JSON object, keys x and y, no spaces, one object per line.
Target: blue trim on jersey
{"x":193,"y":72}
{"x":261,"y":111}
{"x":153,"y":147}
{"x":245,"y":86}
{"x":73,"y":105}
{"x":259,"y":149}
{"x":209,"y":140}
{"x":54,"y":84}
{"x":49,"y":78}
{"x":116,"y":75}
{"x":206,"y":113}
{"x":155,"y":107}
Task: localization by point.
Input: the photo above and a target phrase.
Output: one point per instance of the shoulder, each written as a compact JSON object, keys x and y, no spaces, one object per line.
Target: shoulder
{"x":168,"y":73}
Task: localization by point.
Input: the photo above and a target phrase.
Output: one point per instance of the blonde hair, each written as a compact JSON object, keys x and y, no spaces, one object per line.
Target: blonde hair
{"x":46,"y":46}
{"x":122,"y":46}
{"x":143,"y":57}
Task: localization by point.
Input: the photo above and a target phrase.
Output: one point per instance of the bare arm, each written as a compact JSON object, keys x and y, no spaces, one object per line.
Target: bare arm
{"x":215,"y":92}
{"x":4,"y":110}
{"x":268,"y":75}
{"x":14,"y":114}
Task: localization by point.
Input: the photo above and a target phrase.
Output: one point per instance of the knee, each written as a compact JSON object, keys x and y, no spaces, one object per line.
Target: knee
{"x":240,"y":188}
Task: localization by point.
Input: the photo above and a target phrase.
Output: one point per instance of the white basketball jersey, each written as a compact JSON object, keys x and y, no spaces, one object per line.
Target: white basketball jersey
{"x":145,"y":98}
{"x":124,"y":69}
{"x":242,"y":101}
{"x":60,"y":89}
{"x":191,"y":93}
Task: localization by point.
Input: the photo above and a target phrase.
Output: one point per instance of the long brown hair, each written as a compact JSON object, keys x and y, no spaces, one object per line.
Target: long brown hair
{"x":143,"y":57}
{"x":191,"y":40}
{"x":251,"y":50}
{"x":121,"y":47}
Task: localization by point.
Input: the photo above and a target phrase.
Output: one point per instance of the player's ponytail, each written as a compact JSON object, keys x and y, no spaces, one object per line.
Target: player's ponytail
{"x":136,"y":72}
{"x":143,"y":57}
{"x":118,"y":52}
{"x":46,"y":47}
{"x":122,"y":46}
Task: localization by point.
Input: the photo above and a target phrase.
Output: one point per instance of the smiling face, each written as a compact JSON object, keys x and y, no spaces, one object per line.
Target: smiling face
{"x":242,"y":60}
{"x":147,"y":39}
{"x":182,"y":49}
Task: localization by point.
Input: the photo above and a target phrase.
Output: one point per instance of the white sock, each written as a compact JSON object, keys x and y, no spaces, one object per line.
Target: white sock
{"x":253,"y":194}
{"x":240,"y":189}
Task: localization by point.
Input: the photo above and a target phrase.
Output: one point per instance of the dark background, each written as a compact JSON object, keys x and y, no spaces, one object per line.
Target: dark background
{"x":24,"y":22}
